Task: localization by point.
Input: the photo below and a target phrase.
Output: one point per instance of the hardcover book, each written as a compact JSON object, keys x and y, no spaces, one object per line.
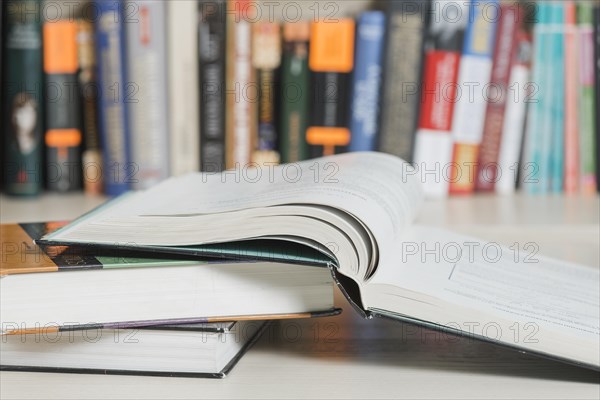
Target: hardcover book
{"x":203,"y":350}
{"x":358,"y":215}
{"x":571,"y":148}
{"x":22,"y":100}
{"x":557,"y":99}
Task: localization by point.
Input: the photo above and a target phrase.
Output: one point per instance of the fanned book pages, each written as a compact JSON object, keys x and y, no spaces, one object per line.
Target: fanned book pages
{"x":357,"y":210}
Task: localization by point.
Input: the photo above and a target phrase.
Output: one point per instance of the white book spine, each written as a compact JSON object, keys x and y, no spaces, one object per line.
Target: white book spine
{"x":183,"y":71}
{"x":146,"y":91}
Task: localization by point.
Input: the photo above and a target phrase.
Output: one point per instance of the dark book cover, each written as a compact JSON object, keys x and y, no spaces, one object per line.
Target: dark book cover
{"x":22,"y":117}
{"x":295,"y":86}
{"x":212,"y":42}
{"x":62,"y":132}
{"x":331,"y":61}
{"x":406,"y":27}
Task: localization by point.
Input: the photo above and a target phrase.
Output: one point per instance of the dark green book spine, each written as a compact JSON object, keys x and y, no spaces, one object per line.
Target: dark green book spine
{"x":22,"y":98}
{"x":295,"y":88}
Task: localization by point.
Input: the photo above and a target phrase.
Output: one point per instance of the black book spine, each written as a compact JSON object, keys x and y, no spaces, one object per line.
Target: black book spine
{"x":212,"y":48}
{"x":402,"y":74}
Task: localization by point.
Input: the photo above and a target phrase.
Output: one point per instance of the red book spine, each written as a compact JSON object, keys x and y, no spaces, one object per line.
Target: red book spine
{"x":572,"y":160}
{"x":505,"y":46}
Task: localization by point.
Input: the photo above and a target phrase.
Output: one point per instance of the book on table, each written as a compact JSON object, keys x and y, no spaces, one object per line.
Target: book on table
{"x":357,"y":212}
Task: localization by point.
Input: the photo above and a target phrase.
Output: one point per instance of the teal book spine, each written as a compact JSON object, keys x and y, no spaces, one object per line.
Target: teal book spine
{"x":22,"y":85}
{"x":534,"y":171}
{"x":557,"y":114}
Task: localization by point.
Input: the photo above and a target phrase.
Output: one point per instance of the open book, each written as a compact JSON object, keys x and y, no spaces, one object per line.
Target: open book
{"x":355,"y":213}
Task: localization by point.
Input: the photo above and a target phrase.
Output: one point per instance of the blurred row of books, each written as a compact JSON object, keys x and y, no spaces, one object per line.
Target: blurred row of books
{"x":481,"y":96}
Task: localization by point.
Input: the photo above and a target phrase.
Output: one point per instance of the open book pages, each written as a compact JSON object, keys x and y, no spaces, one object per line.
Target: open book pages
{"x":358,"y":209}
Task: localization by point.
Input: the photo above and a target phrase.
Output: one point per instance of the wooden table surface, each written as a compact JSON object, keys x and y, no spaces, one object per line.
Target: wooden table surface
{"x":349,"y":357}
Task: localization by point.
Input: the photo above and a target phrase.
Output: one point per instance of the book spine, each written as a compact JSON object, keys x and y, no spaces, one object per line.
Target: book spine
{"x":22,"y":117}
{"x":571,"y":152}
{"x":63,"y":134}
{"x":331,"y":60}
{"x":406,"y":29}
{"x":514,"y":118}
{"x":489,"y":152}
{"x":146,"y":92}
{"x":469,"y":112}
{"x":91,"y":157}
{"x":597,"y":70}
{"x":212,"y":45}
{"x":557,"y":107}
{"x":366,"y":82}
{"x":241,"y":94}
{"x":118,"y":173}
{"x":295,"y":84}
{"x":433,"y":147}
{"x":534,"y":169}
{"x":183,"y":71}
{"x":266,"y":59}
{"x":586,"y":97}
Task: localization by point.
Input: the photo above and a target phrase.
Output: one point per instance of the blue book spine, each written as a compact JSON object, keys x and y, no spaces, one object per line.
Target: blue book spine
{"x":117,"y":171}
{"x":557,"y":161}
{"x":366,"y":86}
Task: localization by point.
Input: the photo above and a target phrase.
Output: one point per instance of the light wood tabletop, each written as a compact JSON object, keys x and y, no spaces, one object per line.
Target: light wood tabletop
{"x":350,"y":357}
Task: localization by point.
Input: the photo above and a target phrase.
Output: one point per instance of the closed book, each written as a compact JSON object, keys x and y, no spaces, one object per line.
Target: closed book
{"x":516,"y":111}
{"x":241,"y":88}
{"x":488,"y":168}
{"x":571,"y":149}
{"x":62,"y":136}
{"x":407,"y":23}
{"x":597,"y":57}
{"x":470,"y":109}
{"x":91,"y":157}
{"x":22,"y":100}
{"x":557,"y":107}
{"x":211,"y":56}
{"x":295,"y":96}
{"x":534,"y":169}
{"x":586,"y":96}
{"x":146,"y":92}
{"x":183,"y":85}
{"x":331,"y":60}
{"x":200,"y":350}
{"x":433,"y":147}
{"x":266,"y":60}
{"x":118,"y":172}
{"x":366,"y":81}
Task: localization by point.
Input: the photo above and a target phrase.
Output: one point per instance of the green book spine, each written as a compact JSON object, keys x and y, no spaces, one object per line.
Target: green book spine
{"x":295,"y":86}
{"x":22,"y":98}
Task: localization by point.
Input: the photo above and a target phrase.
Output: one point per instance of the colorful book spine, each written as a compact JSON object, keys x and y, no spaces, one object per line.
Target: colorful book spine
{"x":183,"y":84}
{"x":366,"y":82}
{"x":295,"y":85}
{"x":212,"y":44}
{"x":91,"y":157}
{"x":571,"y":148}
{"x":266,"y":59}
{"x":146,"y":92}
{"x":506,"y":40}
{"x":241,"y":92}
{"x":433,"y":147}
{"x":473,"y":81}
{"x":331,"y":60}
{"x":557,"y":107}
{"x":534,"y":168}
{"x":586,"y":96}
{"x":118,"y":172}
{"x":22,"y":101}
{"x":597,"y":58}
{"x":406,"y":28}
{"x":63,"y":133}
{"x":514,"y":118}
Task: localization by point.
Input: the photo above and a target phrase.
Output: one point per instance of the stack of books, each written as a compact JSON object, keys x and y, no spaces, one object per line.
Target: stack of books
{"x":481,"y":96}
{"x":89,"y":298}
